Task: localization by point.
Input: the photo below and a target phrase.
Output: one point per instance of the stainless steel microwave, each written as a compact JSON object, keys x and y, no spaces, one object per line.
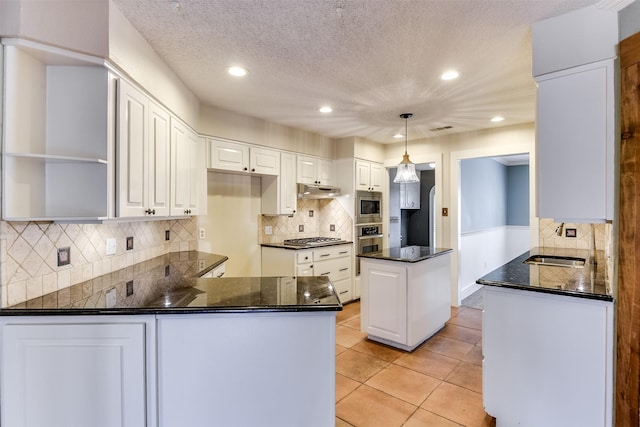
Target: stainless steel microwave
{"x":368,"y":207}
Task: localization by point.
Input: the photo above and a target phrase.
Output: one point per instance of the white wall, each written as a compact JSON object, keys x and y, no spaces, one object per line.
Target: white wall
{"x":483,"y":251}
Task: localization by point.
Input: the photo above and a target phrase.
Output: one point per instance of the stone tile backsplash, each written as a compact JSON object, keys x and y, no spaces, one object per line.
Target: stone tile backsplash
{"x":325,"y":213}
{"x":28,"y":252}
{"x":548,"y":238}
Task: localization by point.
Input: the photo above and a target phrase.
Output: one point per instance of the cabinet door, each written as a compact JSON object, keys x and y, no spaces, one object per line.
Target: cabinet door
{"x":288,"y":187}
{"x":574,"y":143}
{"x":377,"y":176}
{"x":196,"y":166}
{"x":306,"y":170}
{"x":325,"y":172}
{"x":384,"y":300}
{"x":265,"y":162}
{"x":181,"y":160}
{"x":158,"y":155}
{"x":228,"y":156}
{"x":73,"y":375}
{"x":363,"y":175}
{"x":132,"y":141}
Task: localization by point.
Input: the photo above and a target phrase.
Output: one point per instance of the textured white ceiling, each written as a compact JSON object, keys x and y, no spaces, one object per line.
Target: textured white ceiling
{"x":369,"y":59}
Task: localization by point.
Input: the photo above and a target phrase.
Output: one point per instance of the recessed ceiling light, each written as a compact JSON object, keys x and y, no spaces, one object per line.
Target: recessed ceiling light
{"x":237,"y":71}
{"x":497,"y":119}
{"x":398,"y":135}
{"x":326,"y":109}
{"x":450,"y":75}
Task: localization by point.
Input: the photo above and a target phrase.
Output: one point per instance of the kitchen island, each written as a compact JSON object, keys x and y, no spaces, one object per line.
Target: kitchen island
{"x":156,"y":345}
{"x":406,"y":294}
{"x":548,"y":340}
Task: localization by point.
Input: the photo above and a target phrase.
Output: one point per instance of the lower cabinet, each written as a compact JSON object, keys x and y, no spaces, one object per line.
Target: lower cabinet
{"x":75,"y":372}
{"x":405,"y":303}
{"x":239,"y":370}
{"x":548,"y":359}
{"x":332,"y":261}
{"x":195,"y":370}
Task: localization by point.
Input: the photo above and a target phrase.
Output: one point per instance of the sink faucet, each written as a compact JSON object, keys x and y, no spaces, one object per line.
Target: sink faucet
{"x":559,"y":229}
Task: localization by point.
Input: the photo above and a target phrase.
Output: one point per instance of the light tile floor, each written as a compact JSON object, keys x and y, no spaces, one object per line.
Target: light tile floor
{"x":439,"y":384}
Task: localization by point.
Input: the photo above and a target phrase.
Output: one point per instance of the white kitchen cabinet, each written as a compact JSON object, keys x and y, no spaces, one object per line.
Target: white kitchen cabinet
{"x":404,"y":303}
{"x":237,"y":157}
{"x":410,"y":195}
{"x":332,"y":261}
{"x":575,"y":140}
{"x":313,"y":170}
{"x":236,"y":370}
{"x":280,"y":193}
{"x":186,"y":164}
{"x":76,"y":371}
{"x":548,"y":359}
{"x":58,"y":134}
{"x":369,"y":176}
{"x":143,"y":155}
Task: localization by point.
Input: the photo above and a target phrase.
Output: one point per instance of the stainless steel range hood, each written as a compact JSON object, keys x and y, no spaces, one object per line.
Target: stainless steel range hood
{"x":307,"y":191}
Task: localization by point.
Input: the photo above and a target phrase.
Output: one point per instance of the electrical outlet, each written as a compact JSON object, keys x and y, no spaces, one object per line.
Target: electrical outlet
{"x":129,"y":243}
{"x":332,"y":227}
{"x":129,"y":288}
{"x":111,"y":246}
{"x":310,"y":214}
{"x":268,"y":230}
{"x":167,"y":235}
{"x":64,"y":256}
{"x":301,"y":228}
{"x":203,"y":233}
{"x":570,"y":232}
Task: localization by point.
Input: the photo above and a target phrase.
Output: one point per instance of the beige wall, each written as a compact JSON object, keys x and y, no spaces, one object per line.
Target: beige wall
{"x":229,"y":125}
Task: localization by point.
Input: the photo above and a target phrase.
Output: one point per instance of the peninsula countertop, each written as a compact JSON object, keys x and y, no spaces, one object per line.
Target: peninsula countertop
{"x":406,"y":253}
{"x":590,"y":281}
{"x":171,"y":284}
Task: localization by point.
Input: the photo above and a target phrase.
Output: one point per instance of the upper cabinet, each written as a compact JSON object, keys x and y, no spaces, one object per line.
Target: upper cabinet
{"x":410,"y":195}
{"x":187,"y":160}
{"x":576,"y":125}
{"x":369,"y":176}
{"x":58,"y":134}
{"x":236,"y":157}
{"x":312,"y":170}
{"x":143,"y":155}
{"x":280,"y":193}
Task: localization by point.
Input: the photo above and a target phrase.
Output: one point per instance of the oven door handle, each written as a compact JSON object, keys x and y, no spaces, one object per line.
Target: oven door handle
{"x":373,"y":236}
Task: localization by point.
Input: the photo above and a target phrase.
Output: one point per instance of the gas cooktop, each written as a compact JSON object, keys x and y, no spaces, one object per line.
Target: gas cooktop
{"x":313,"y":241}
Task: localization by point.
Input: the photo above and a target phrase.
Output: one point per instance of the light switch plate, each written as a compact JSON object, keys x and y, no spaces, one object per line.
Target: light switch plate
{"x":111,"y":298}
{"x":268,"y":230}
{"x":111,"y":246}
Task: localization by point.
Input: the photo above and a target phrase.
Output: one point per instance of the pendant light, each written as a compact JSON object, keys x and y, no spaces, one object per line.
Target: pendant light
{"x":406,"y":169}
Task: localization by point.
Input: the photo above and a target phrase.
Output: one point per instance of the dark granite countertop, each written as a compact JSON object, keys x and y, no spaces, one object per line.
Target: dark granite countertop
{"x":587,"y":282}
{"x":297,"y":248}
{"x":171,"y":284}
{"x":407,"y":253}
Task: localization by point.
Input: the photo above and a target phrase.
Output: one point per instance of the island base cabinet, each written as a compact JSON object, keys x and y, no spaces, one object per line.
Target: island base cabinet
{"x":247,"y":370}
{"x":73,"y":374}
{"x":405,"y":303}
{"x":548,"y":359}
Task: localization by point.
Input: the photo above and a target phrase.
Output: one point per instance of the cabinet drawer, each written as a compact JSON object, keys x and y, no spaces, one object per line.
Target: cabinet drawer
{"x":343,"y":289}
{"x":304,"y":257}
{"x":336,"y":269}
{"x":331,"y":252}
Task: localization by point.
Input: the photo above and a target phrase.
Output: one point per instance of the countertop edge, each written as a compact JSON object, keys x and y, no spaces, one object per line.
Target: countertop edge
{"x":559,"y":292}
{"x":410,"y":261}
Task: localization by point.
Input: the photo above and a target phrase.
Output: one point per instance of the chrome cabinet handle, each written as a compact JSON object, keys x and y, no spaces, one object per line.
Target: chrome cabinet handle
{"x":323,"y":255}
{"x":344,"y":269}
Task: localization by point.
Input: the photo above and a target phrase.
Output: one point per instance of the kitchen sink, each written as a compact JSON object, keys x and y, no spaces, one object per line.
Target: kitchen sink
{"x":556,"y":261}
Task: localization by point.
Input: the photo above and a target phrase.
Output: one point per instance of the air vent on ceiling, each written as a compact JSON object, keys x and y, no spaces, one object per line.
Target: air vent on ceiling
{"x":440,"y":128}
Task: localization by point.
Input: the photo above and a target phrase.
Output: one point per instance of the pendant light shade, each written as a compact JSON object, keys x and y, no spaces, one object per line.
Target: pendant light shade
{"x":406,"y":169}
